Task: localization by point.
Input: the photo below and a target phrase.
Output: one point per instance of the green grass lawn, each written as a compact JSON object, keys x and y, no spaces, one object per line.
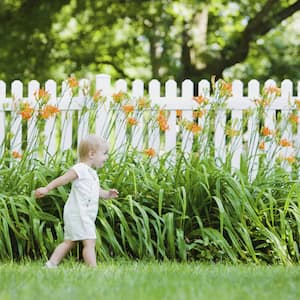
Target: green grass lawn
{"x":148,"y":280}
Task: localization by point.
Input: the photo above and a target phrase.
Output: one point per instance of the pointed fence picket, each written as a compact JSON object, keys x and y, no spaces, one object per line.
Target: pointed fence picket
{"x":153,"y":131}
{"x":50,"y":130}
{"x":220,"y":137}
{"x":32,"y":130}
{"x":170,"y":135}
{"x":16,"y":120}
{"x":286,"y":127}
{"x":236,"y":127}
{"x":203,"y":139}
{"x":83,"y":114}
{"x":270,"y":122}
{"x":102,"y":115}
{"x":66,"y":117}
{"x":137,"y":131}
{"x":120,"y":133}
{"x":187,"y":114}
{"x":252,"y":133}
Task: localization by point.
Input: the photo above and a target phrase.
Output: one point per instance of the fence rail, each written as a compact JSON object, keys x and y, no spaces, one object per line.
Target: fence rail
{"x":66,"y":130}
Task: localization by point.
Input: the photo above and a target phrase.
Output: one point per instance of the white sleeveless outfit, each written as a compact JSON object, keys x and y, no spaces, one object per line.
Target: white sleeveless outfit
{"x":81,"y":208}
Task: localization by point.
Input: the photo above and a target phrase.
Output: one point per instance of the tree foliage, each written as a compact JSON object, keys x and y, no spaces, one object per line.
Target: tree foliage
{"x":161,"y":39}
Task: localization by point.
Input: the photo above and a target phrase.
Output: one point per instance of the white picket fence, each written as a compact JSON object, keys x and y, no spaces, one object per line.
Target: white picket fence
{"x":171,"y":102}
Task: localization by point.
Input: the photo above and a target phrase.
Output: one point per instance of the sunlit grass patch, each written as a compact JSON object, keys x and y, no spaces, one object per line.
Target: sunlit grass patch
{"x":148,"y":280}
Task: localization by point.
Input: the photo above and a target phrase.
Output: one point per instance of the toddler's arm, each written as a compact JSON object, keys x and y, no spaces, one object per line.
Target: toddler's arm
{"x":61,"y":180}
{"x":112,"y":193}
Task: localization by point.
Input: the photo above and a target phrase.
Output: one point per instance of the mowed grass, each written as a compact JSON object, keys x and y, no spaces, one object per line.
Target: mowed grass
{"x":148,"y":280}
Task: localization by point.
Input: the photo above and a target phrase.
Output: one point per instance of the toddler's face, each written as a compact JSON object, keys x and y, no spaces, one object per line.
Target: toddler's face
{"x":100,"y":157}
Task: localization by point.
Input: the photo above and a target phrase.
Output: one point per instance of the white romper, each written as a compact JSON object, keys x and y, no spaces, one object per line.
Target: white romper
{"x":81,"y":208}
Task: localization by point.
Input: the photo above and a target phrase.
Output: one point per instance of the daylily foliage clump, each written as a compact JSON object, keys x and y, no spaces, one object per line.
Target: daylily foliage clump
{"x":171,"y":205}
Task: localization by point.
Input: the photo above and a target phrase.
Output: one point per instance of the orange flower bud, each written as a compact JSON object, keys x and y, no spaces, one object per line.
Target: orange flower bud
{"x":290,"y":159}
{"x":16,"y":154}
{"x":265,"y":131}
{"x":119,"y":97}
{"x":179,"y":113}
{"x":131,"y":121}
{"x":128,"y":108}
{"x":285,"y":143}
{"x":72,"y":82}
{"x":261,"y":145}
{"x":272,"y":90}
{"x":150,"y":152}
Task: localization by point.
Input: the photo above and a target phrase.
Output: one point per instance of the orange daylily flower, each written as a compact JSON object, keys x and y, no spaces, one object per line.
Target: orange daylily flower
{"x":200,"y":99}
{"x":179,"y":113}
{"x":262,"y":145}
{"x":132,"y":121}
{"x":294,"y":118}
{"x":118,"y":97}
{"x":193,"y":127}
{"x":291,"y":159}
{"x":225,"y":89}
{"x":227,"y":86}
{"x":262,"y":102}
{"x":150,"y":152}
{"x":128,"y":108}
{"x":163,"y":126}
{"x":16,"y":154}
{"x":272,"y":90}
{"x":42,"y":94}
{"x":297,"y":102}
{"x":27,"y":111}
{"x":98,"y":96}
{"x":143,"y":103}
{"x":265,"y":131}
{"x":162,"y":121}
{"x":199,"y":113}
{"x":285,"y":143}
{"x":73,"y":82}
{"x":48,"y":111}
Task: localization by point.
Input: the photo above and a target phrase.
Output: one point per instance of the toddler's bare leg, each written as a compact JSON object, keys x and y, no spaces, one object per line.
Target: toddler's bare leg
{"x":60,"y":251}
{"x":88,"y":252}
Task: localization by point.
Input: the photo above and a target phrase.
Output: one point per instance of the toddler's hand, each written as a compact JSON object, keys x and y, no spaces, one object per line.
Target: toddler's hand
{"x":113,"y":193}
{"x":41,"y":192}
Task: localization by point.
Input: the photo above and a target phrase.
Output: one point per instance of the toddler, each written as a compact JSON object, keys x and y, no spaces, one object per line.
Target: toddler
{"x":81,"y":208}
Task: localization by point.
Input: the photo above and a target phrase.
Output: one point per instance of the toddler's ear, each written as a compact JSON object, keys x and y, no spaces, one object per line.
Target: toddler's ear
{"x":91,"y":153}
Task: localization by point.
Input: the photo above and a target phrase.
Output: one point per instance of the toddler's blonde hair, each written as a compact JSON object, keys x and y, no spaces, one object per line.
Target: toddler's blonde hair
{"x":90,"y":143}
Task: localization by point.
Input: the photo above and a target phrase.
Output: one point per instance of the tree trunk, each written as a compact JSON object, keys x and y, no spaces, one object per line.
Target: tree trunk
{"x":237,"y":48}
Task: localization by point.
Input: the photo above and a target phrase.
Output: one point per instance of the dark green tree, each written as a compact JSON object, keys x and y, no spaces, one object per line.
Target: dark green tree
{"x":148,"y":39}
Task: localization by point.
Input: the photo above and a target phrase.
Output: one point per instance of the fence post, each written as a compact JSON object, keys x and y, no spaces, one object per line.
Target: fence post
{"x":220,"y":138}
{"x":121,"y":123}
{"x":203,"y":139}
{"x":66,"y":117}
{"x":253,"y":131}
{"x":83,"y":113}
{"x":170,"y":134}
{"x":153,"y":129}
{"x":102,"y":115}
{"x":16,"y":120}
{"x":286,"y":94}
{"x":137,"y":131}
{"x":32,"y":130}
{"x":236,"y":125}
{"x":50,"y":126}
{"x":187,"y":95}
{"x":270,"y":119}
